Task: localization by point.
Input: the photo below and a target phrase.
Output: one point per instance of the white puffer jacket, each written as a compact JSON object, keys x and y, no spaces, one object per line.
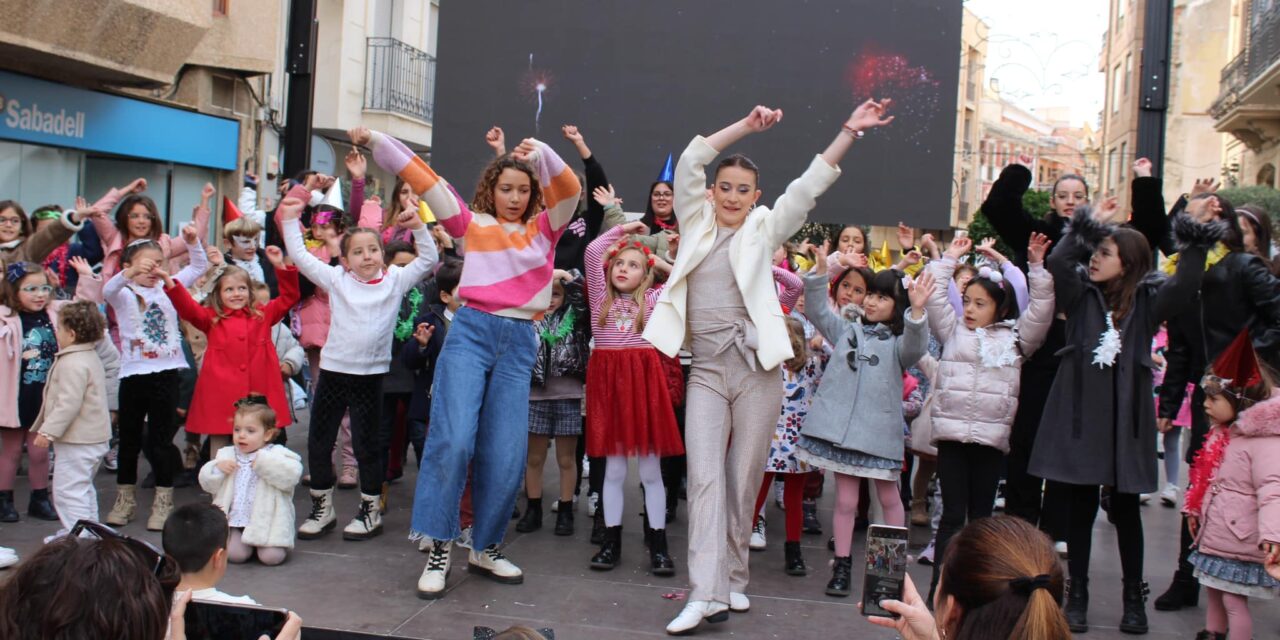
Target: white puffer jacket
{"x":271,"y":519}
{"x":976,"y":390}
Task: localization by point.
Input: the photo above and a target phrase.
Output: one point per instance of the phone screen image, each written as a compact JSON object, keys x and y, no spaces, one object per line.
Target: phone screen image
{"x":218,"y":621}
{"x":886,"y":568}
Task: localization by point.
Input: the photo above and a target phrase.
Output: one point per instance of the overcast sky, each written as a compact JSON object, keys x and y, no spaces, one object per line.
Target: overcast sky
{"x":1045,"y":53}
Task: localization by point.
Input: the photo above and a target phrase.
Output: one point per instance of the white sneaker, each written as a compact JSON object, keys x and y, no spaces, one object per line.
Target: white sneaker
{"x":1060,"y":547}
{"x":926,"y":556}
{"x":491,"y":563}
{"x":1144,"y":498}
{"x":694,"y":613}
{"x":434,"y":576}
{"x":8,"y":557}
{"x":368,"y":520}
{"x":322,"y":519}
{"x":739,"y":602}
{"x":109,"y":461}
{"x":757,"y":535}
{"x":1169,"y":497}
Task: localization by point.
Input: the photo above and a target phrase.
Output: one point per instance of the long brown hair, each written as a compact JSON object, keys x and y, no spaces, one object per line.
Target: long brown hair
{"x":483,"y":200}
{"x":1007,"y":581}
{"x":1135,"y":259}
{"x":393,"y":209}
{"x":24,"y":227}
{"x":611,"y":293}
{"x":799,"y":346}
{"x":122,"y":216}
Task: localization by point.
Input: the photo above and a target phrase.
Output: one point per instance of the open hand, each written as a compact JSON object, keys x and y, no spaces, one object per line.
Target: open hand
{"x":959,"y":247}
{"x":906,"y":237}
{"x":360,"y":136}
{"x":911,"y":258}
{"x":496,"y":140}
{"x":1142,"y":168}
{"x":820,"y":258}
{"x":869,"y":115}
{"x":215,"y":256}
{"x":290,"y":208}
{"x":852,"y":260}
{"x":275,"y":256}
{"x":1206,"y":185}
{"x":1107,"y":210}
{"x":762,"y":119}
{"x":85,"y":210}
{"x":1038,"y":247}
{"x":988,"y":249}
{"x":606,"y":196}
{"x":423,"y":332}
{"x":920,"y":291}
{"x":356,"y":164}
{"x":81,"y":266}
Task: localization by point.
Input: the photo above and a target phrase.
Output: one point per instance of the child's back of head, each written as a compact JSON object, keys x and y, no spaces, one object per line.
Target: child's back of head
{"x":193,"y":533}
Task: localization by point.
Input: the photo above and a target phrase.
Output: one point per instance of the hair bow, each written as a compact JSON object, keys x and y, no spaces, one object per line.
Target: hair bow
{"x":17,"y":271}
{"x":1026,"y":584}
{"x":251,"y":400}
{"x":987,"y":273}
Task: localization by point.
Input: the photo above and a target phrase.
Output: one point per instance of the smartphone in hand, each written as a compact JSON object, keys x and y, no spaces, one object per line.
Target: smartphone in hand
{"x":220,"y":621}
{"x":886,"y":568}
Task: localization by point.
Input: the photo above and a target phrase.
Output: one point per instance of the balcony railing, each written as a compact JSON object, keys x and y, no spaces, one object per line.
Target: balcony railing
{"x":1259,"y":54}
{"x":399,"y":79}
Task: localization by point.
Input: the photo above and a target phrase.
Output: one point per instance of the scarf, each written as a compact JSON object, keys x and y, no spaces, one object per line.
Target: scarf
{"x":1109,"y":345}
{"x":1215,"y":255}
{"x":1205,"y":468}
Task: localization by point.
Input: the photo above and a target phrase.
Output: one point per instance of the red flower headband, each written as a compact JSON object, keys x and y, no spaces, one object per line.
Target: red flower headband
{"x":622,"y":245}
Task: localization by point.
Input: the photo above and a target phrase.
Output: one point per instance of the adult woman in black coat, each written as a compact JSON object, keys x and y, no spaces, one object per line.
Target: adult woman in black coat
{"x":1014,"y":224}
{"x":1239,"y":292}
{"x":1099,"y":427}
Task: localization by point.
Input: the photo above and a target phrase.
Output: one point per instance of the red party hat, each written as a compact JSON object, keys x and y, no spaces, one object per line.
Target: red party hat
{"x":1238,"y":363}
{"x":229,"y":210}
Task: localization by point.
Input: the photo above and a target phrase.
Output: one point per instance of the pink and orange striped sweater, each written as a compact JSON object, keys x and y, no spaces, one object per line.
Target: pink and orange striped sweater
{"x":508,"y":265}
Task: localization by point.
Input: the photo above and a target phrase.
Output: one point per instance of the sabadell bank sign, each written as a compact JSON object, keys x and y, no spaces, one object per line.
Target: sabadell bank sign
{"x":40,"y":112}
{"x":30,"y":117}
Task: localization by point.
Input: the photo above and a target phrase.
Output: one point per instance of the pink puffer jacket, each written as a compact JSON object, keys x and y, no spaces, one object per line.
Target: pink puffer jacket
{"x":976,"y":392}
{"x":1241,"y":508}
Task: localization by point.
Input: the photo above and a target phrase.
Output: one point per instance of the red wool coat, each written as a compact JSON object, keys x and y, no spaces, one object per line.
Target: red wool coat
{"x":241,"y":357}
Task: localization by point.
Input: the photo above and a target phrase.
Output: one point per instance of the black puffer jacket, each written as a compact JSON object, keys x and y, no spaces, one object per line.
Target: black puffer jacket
{"x":563,"y":340}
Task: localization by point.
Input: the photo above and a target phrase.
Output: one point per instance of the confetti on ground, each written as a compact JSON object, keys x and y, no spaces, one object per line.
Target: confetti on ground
{"x":673,"y":596}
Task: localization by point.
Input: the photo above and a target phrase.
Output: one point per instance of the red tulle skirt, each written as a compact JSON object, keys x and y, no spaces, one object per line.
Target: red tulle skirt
{"x":629,"y":411}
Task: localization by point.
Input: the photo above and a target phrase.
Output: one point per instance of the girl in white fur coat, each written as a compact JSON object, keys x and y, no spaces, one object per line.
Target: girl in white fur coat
{"x":252,"y":481}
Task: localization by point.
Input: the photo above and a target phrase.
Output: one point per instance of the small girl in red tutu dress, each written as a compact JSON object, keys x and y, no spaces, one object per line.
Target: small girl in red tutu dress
{"x":629,"y":410}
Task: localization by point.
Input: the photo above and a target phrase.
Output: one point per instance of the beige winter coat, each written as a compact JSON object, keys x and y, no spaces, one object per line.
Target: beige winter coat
{"x":976,"y":391}
{"x":74,"y":409}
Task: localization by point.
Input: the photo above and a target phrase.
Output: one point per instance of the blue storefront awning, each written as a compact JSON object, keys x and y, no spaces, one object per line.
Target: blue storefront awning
{"x":42,"y":112}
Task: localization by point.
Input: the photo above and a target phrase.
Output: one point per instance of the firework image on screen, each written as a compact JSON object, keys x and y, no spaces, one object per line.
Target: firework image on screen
{"x":640,"y":79}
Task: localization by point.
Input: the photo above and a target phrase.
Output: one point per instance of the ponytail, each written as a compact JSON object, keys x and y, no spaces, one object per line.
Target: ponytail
{"x":1042,"y":618}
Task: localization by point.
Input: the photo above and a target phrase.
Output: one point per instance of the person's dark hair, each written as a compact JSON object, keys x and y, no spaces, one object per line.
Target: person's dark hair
{"x":83,"y":318}
{"x":888,"y":283}
{"x":396,"y":247}
{"x":1135,"y":259}
{"x":75,"y":588}
{"x":24,"y":227}
{"x":1001,"y":293}
{"x":448,"y":275}
{"x":866,"y":274}
{"x":483,"y":200}
{"x":1234,"y":237}
{"x":650,"y":219}
{"x":1006,"y":580}
{"x":193,"y":533}
{"x":799,"y":345}
{"x":122,"y":216}
{"x":349,"y":235}
{"x":740,"y":161}
{"x":866,"y":242}
{"x":1070,"y":176}
{"x":1260,"y":222}
{"x":132,"y":249}
{"x":393,"y":207}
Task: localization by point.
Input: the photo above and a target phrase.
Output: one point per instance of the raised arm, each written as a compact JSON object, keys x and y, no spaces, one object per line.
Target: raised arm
{"x":1147,"y":201}
{"x":200,"y":316}
{"x":392,"y":155}
{"x":593,"y":263}
{"x":792,"y":287}
{"x":942,"y":315}
{"x":287,"y":284}
{"x":200,"y":218}
{"x":560,"y":187}
{"x":248,"y":201}
{"x":1003,"y":207}
{"x":1034,"y":323}
{"x":199,"y":260}
{"x":818,"y":310}
{"x":105,"y":225}
{"x":1082,"y":237}
{"x":595,"y":176}
{"x":1194,"y":239}
{"x":424,"y":263}
{"x":319,"y":273}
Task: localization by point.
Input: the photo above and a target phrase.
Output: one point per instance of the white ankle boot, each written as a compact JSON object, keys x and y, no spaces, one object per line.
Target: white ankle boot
{"x":694,"y":613}
{"x":322,"y":519}
{"x":368,"y":520}
{"x":161,"y":507}
{"x":491,"y":563}
{"x":434,"y":576}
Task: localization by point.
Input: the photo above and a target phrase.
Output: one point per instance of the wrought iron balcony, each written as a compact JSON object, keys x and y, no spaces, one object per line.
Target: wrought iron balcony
{"x":399,"y":79}
{"x":1260,"y":54}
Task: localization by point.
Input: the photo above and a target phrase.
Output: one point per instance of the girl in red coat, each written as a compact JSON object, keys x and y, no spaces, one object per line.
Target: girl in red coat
{"x":241,"y":357}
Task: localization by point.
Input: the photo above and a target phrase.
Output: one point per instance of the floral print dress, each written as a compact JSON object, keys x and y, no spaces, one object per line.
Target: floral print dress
{"x":798,"y":391}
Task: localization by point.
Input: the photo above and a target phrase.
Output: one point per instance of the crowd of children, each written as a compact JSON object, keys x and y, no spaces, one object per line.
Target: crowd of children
{"x":534,"y":318}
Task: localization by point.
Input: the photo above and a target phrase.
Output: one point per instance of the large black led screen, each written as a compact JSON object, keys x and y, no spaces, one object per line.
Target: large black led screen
{"x":640,"y":78}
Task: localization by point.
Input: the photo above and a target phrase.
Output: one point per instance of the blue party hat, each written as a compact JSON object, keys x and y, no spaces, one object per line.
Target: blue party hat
{"x":668,"y":173}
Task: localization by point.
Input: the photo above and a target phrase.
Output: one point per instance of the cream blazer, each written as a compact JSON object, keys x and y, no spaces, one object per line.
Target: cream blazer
{"x":750,"y":252}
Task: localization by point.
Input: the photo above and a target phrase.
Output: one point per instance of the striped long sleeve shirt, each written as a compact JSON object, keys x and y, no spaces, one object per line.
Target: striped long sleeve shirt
{"x":508,"y":265}
{"x":618,"y":330}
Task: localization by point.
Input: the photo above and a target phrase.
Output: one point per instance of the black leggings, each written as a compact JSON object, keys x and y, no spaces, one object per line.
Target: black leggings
{"x":148,"y":421}
{"x":1124,"y":513}
{"x":336,"y":394}
{"x":969,"y":474}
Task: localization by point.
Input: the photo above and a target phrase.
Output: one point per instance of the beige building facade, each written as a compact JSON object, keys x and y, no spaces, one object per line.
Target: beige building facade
{"x":1248,"y":102}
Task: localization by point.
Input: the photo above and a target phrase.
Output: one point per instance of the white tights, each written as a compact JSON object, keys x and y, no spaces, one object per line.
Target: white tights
{"x":655,"y":494}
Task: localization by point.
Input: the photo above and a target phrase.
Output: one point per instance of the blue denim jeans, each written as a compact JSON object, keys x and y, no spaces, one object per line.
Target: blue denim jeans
{"x":479,"y":415}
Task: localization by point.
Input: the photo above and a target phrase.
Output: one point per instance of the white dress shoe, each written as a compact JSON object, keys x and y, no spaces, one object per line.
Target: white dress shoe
{"x":694,"y":613}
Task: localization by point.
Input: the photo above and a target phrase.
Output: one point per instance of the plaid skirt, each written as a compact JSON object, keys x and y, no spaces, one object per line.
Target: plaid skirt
{"x":555,"y":418}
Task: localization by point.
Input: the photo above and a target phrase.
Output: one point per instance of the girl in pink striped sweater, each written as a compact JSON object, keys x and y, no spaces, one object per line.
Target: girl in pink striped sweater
{"x":629,"y":410}
{"x":480,"y":406}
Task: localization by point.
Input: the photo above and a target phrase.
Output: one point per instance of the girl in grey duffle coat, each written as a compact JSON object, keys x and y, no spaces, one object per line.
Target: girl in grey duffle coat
{"x":854,"y":427}
{"x":1099,"y":426}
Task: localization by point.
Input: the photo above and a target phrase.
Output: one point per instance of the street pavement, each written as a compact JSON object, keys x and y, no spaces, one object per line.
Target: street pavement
{"x":369,"y":586}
